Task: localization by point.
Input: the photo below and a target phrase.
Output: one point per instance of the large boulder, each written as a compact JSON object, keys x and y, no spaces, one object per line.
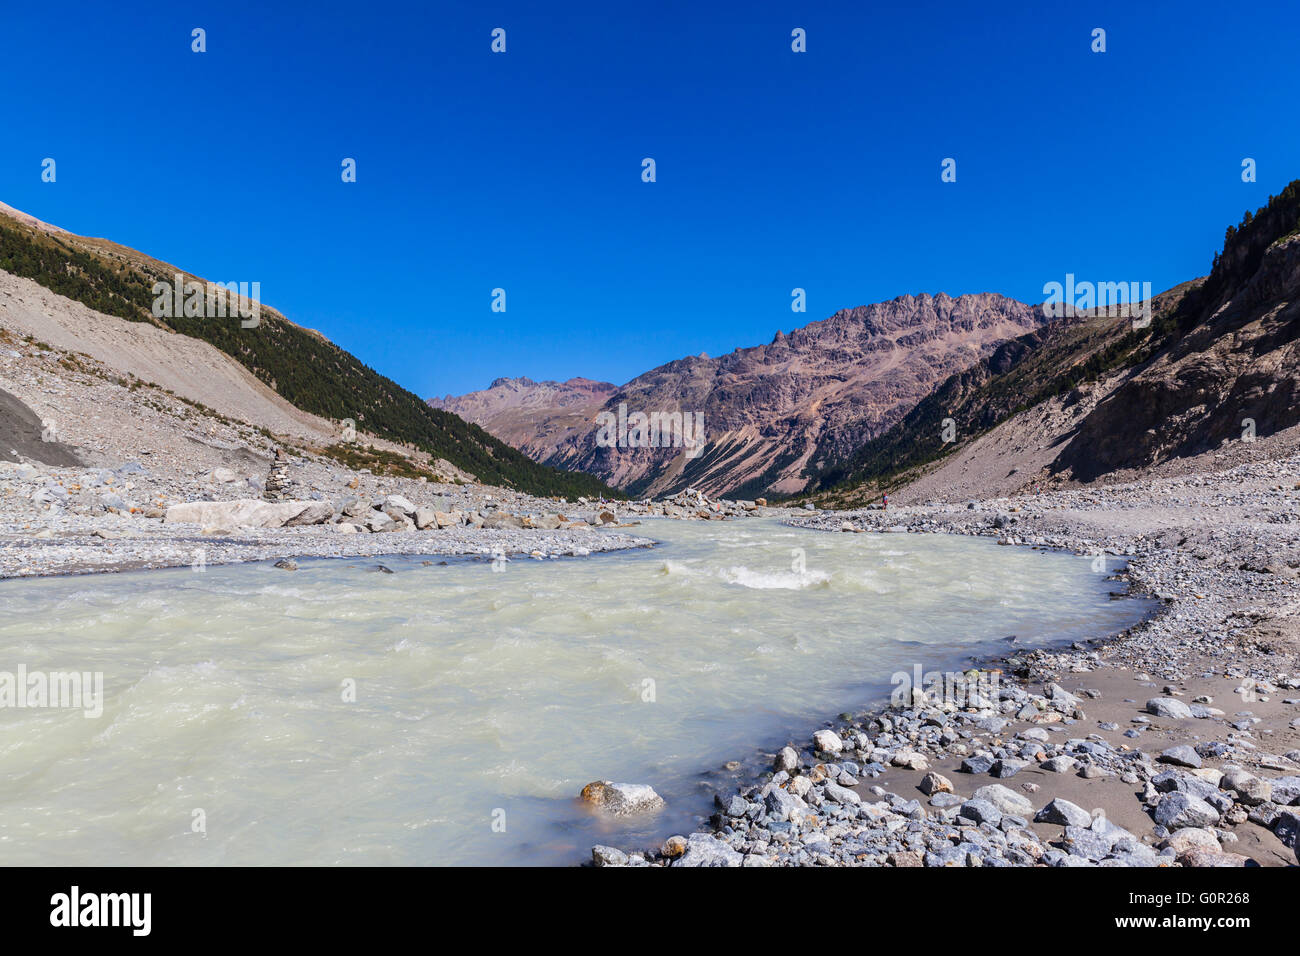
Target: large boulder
{"x":1169,"y":707}
{"x":1007,"y":801}
{"x":1249,"y":789}
{"x":316,"y":512}
{"x":398,"y":503}
{"x":787,"y":759}
{"x":703,"y":849}
{"x":1181,"y":756}
{"x":248,"y":513}
{"x":1178,"y":810}
{"x":1065,"y":813}
{"x":377,"y":522}
{"x":500,"y":520}
{"x":827,"y":741}
{"x":355,"y":508}
{"x":621,"y":799}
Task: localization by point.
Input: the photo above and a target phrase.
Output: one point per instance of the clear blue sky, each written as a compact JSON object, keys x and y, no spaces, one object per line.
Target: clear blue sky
{"x":523,"y":170}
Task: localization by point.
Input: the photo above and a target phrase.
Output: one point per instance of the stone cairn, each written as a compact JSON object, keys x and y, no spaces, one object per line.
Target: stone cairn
{"x":277,"y":482}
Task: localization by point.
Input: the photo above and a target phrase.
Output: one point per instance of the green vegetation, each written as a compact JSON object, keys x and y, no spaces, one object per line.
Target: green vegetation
{"x":376,"y":461}
{"x":302,"y":366}
{"x":71,"y":272}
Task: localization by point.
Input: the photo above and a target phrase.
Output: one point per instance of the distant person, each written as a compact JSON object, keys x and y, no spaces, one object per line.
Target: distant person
{"x":885,"y":502}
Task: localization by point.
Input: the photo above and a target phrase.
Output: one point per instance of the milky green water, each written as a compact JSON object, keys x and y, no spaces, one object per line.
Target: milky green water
{"x":484,"y":701}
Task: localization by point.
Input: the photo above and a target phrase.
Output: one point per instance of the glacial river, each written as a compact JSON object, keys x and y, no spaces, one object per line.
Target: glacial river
{"x":450,"y":713}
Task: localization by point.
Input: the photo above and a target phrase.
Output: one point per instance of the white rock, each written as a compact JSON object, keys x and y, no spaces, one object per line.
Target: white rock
{"x":621,"y":799}
{"x":828,"y":741}
{"x":1007,"y":801}
{"x":246,"y":512}
{"x":401,"y":504}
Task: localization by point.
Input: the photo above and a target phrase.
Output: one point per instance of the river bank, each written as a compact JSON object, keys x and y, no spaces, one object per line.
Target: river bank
{"x":1176,"y":742}
{"x":57,"y":520}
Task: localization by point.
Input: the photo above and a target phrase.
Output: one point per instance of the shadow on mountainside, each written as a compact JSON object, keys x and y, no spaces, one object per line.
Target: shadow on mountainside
{"x":20,"y":437}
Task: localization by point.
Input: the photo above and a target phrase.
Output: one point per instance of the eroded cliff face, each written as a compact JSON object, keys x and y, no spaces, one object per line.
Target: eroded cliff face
{"x":1233,"y":372}
{"x":768,"y":410}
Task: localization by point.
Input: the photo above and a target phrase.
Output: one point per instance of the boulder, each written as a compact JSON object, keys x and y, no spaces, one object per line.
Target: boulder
{"x":781,"y":805}
{"x":1203,"y":857}
{"x":248,"y":512}
{"x":377,"y":522}
{"x":1181,"y":756}
{"x":981,"y":811}
{"x":673,"y":847}
{"x":1178,"y":810}
{"x":1191,"y":838}
{"x":1007,"y":767}
{"x":827,"y":741}
{"x":425,"y":518}
{"x":841,"y":795}
{"x":703,"y":849}
{"x":1287,"y":828}
{"x":1065,"y":813}
{"x":1169,"y":707}
{"x":1250,"y":789}
{"x":910,"y":759}
{"x":1286,"y":790}
{"x":608,"y":856}
{"x":933,"y":783}
{"x":786,"y":759}
{"x":316,"y":512}
{"x":621,"y":799}
{"x":1059,"y":764}
{"x":398,"y":503}
{"x":1007,"y":801}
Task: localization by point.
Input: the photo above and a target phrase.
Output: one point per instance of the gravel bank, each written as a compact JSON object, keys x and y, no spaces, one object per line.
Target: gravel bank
{"x":1175,"y":743}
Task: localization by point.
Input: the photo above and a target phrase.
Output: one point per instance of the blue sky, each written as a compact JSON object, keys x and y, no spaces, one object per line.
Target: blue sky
{"x":522,"y":170}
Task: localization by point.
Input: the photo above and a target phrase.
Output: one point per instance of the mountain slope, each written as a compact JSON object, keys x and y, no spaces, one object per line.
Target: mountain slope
{"x":1089,"y":396}
{"x":1231,"y":359}
{"x":531,"y":416}
{"x":773,"y":412}
{"x":300,"y":365}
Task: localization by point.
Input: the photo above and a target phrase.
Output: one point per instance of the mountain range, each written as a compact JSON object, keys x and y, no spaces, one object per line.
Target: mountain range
{"x":773,"y":413}
{"x":876,"y":396}
{"x":929,"y":395}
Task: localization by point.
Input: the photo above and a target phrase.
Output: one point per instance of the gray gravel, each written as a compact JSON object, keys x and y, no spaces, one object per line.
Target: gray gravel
{"x":1220,"y":788}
